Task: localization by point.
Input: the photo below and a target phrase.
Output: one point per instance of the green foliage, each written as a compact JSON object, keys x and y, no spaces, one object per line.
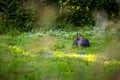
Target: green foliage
{"x":51,"y":1}
{"x":79,"y":13}
{"x":14,"y":16}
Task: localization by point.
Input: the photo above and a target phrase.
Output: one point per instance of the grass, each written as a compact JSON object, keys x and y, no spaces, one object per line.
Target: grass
{"x":50,"y":55}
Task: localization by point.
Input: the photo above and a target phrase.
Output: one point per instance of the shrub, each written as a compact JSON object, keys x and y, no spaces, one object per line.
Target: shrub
{"x":79,"y":12}
{"x":14,"y":16}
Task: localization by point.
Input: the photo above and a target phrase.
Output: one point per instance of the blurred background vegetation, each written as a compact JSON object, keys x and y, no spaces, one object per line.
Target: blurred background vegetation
{"x":24,"y":15}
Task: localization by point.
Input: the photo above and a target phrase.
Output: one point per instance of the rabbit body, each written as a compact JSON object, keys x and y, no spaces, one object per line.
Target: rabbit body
{"x":81,"y":41}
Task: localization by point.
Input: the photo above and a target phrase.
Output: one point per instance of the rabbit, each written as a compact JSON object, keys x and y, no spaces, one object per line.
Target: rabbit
{"x":81,"y":41}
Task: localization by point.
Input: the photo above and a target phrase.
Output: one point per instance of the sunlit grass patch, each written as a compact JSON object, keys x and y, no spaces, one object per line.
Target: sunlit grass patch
{"x":112,"y":62}
{"x":87,"y":57}
{"x":16,"y":49}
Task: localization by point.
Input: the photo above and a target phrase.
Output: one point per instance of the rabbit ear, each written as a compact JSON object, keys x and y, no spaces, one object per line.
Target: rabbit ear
{"x":78,"y":34}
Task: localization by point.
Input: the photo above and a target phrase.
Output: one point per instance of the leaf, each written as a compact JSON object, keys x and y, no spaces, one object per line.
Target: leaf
{"x":4,"y":2}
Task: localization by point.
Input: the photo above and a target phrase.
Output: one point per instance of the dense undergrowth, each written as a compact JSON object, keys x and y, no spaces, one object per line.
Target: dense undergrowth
{"x":50,"y":55}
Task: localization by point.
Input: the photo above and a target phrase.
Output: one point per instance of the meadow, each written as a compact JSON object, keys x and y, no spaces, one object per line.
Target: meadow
{"x":50,"y":55}
{"x":36,"y":39}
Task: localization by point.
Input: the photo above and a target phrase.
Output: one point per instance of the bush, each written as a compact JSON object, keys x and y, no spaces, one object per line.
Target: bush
{"x":14,"y":16}
{"x":79,"y":12}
